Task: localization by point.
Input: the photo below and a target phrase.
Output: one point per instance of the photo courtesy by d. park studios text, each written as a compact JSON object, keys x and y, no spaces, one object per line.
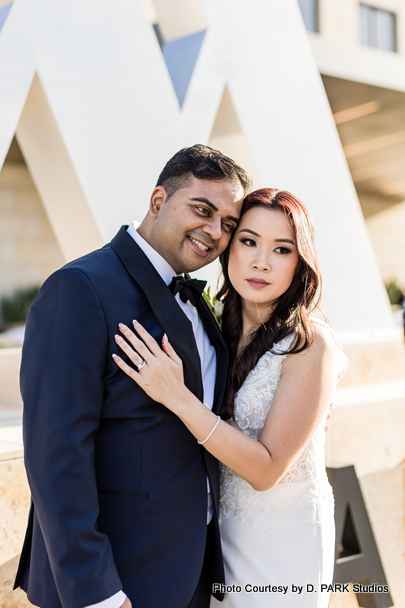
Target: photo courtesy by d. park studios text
{"x":300,"y":589}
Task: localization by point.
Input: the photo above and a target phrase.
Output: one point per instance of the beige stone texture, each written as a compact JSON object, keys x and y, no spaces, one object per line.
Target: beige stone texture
{"x":367,"y":429}
{"x":368,"y":435}
{"x":10,"y":361}
{"x":374,"y":361}
{"x":8,"y":597}
{"x":29,"y":252}
{"x":390,"y":536}
{"x":386,"y":229}
{"x":384,"y":494}
{"x":344,"y":600}
{"x":14,"y":505}
{"x":192,"y":20}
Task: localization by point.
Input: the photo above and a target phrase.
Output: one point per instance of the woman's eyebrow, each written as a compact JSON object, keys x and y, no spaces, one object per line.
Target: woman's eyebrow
{"x":250,"y":231}
{"x":284,"y":241}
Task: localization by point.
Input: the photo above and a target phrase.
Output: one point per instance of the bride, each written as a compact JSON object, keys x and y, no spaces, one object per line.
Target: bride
{"x":276,"y":506}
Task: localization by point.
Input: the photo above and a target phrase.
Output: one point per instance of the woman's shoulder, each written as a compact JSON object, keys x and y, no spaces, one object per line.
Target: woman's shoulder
{"x":323,"y":344}
{"x":323,"y":334}
{"x":324,"y":348}
{"x":322,"y":338}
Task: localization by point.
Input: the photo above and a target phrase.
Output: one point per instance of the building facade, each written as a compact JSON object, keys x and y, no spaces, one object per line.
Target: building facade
{"x":359,"y":48}
{"x":95,"y":96}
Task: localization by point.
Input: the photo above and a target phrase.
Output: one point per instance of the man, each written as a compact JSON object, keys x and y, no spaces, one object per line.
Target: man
{"x":119,"y":486}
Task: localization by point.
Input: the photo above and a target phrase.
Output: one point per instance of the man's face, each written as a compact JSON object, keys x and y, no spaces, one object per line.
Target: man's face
{"x":194,"y":225}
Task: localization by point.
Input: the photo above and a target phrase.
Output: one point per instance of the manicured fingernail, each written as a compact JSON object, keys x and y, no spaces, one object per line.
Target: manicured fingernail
{"x":122,"y":327}
{"x":118,"y":338}
{"x":165,"y":338}
{"x":115,"y":357}
{"x":135,"y":322}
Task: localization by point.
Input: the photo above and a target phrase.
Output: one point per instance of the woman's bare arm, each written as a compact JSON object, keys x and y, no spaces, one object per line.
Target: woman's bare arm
{"x":300,"y":403}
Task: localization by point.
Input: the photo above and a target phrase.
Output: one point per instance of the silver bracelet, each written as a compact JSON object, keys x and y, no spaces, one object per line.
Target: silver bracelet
{"x":211,"y":431}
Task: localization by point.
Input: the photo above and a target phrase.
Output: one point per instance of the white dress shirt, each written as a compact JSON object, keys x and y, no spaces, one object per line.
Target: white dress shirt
{"x":208,"y":361}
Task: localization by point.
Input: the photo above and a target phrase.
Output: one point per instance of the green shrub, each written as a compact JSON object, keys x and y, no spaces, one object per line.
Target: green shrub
{"x":14,"y":308}
{"x":395,"y":293}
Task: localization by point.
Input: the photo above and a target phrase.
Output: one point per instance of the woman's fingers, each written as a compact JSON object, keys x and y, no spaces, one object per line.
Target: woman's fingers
{"x":160,"y":375}
{"x":138,"y":344}
{"x":145,"y":348}
{"x":130,"y":352}
{"x":136,"y":376}
{"x":150,"y":342}
{"x":169,"y":350}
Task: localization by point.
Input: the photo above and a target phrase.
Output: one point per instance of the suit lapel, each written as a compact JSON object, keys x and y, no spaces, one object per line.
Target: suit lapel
{"x":214,"y":334}
{"x":169,"y":314}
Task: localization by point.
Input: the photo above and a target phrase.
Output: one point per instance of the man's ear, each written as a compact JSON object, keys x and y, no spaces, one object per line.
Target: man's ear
{"x":157,"y":199}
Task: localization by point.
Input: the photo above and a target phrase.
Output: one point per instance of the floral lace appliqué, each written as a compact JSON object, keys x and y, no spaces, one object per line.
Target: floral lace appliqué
{"x":304,"y":483}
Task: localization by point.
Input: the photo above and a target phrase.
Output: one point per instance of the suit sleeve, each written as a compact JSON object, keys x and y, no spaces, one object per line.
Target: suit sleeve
{"x":63,"y":363}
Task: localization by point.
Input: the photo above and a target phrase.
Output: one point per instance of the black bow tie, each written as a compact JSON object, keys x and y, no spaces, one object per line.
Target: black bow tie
{"x":189,"y":289}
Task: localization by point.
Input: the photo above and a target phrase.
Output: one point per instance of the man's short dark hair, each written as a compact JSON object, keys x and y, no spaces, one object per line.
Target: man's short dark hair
{"x":204,"y":163}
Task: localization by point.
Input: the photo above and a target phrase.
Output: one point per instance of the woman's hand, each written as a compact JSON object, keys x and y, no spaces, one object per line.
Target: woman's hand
{"x":158,"y":372}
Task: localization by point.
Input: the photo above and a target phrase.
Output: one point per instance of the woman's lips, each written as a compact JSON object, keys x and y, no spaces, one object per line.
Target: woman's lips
{"x":257,"y":283}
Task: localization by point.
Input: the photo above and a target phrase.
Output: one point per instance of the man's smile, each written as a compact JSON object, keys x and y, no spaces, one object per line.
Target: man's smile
{"x":199,"y":245}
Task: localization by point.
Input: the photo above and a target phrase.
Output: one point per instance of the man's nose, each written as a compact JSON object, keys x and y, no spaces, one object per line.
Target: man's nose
{"x":214,"y":228}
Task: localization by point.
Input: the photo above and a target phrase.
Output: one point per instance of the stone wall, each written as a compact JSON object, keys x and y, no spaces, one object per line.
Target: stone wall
{"x":367,"y":429}
{"x":29,"y":252}
{"x":386,"y":228}
{"x":14,"y":506}
{"x":10,"y":398}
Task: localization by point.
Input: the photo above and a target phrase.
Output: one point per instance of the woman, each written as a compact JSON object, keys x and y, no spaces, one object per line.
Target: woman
{"x":276,"y":508}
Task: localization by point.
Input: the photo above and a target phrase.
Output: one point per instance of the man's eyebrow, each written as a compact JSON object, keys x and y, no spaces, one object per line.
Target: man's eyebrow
{"x":202,"y":199}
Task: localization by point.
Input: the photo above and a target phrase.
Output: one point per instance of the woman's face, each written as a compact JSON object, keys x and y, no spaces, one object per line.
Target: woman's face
{"x":263,"y":258}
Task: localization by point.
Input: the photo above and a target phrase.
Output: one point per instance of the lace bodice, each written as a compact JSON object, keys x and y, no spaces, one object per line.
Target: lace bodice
{"x":306,"y":480}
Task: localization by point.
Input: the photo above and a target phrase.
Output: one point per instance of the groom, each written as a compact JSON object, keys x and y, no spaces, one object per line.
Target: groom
{"x":124,"y":500}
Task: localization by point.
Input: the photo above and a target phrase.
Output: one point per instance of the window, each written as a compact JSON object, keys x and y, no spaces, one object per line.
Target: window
{"x":377,"y":28}
{"x":309,"y":10}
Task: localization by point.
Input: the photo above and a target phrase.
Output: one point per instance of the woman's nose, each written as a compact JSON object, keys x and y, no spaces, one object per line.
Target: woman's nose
{"x":261,"y":264}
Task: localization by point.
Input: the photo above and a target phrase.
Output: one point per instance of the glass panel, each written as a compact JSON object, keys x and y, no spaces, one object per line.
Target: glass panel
{"x":309,"y":10}
{"x":386,"y":31}
{"x":377,"y":28}
{"x":365,"y":25}
{"x":374,"y":27}
{"x":181,"y":56}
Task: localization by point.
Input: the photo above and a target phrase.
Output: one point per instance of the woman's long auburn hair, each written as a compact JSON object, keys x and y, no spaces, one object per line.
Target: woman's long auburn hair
{"x":292,"y":308}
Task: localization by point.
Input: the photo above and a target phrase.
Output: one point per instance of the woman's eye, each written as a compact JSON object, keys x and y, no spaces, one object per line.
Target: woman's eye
{"x":283,"y":250}
{"x":248,"y":242}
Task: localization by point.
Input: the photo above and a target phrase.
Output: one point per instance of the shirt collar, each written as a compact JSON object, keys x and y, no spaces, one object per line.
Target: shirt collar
{"x":161,"y":266}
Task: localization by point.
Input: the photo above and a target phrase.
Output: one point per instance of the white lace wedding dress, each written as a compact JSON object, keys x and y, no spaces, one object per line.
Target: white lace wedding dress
{"x":280,"y":540}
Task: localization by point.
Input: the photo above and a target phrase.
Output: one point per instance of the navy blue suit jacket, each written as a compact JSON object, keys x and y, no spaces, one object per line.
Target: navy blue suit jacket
{"x":119,"y":492}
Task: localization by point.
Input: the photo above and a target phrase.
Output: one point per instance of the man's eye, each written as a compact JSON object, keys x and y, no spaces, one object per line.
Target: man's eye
{"x":248,"y":242}
{"x":228,"y":227}
{"x":203,"y":210}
